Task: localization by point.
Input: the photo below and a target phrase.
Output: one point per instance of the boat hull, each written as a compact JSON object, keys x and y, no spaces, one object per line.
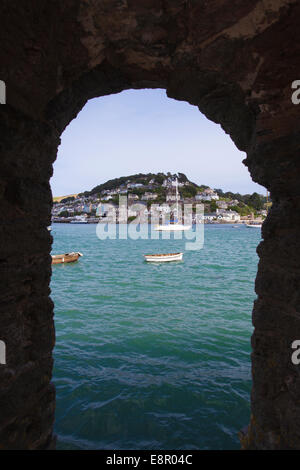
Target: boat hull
{"x":65,"y":258}
{"x":171,"y":228}
{"x":162,"y":258}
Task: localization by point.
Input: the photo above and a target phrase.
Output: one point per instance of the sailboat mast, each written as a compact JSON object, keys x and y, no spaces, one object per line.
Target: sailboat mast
{"x":177,"y":197}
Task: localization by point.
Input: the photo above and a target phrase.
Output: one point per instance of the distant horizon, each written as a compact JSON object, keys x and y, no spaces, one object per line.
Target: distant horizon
{"x":144,"y":131}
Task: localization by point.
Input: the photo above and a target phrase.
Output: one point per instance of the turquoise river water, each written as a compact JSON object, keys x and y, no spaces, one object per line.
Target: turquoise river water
{"x":153,"y":356}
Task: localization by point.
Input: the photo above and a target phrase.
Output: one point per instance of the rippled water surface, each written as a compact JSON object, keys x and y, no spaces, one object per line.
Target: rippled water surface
{"x":153,"y":356}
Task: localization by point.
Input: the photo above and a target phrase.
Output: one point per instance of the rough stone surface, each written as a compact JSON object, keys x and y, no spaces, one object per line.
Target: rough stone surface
{"x":236,"y":61}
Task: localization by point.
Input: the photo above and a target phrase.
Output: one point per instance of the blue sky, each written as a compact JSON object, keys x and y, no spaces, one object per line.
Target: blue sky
{"x":143,"y":131}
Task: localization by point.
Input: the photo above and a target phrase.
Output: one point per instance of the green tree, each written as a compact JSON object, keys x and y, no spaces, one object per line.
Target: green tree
{"x":213,"y":206}
{"x":159,"y":178}
{"x":64,"y":214}
{"x":256,"y":201}
{"x":188,"y":191}
{"x":67,"y":199}
{"x":182,"y":178}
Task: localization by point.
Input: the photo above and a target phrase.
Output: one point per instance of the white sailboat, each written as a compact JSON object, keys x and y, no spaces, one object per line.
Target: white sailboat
{"x":174,"y":227}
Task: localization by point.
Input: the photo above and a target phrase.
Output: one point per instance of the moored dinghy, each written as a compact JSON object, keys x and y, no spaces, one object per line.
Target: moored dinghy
{"x":66,"y":258}
{"x":159,"y":258}
{"x":253,"y":225}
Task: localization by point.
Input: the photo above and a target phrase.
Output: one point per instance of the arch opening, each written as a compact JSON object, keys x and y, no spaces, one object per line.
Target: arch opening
{"x":142,"y":397}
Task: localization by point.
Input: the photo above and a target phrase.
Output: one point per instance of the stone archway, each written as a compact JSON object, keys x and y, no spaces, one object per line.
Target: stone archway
{"x":235,"y":60}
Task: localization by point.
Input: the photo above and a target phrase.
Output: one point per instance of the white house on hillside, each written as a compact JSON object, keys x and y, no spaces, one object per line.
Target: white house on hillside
{"x":222,"y":204}
{"x":206,"y":197}
{"x":133,"y":197}
{"x":148,"y":196}
{"x":170,"y":197}
{"x":230,"y":216}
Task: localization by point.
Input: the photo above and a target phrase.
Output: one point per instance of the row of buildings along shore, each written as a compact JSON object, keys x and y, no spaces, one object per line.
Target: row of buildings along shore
{"x":142,"y":204}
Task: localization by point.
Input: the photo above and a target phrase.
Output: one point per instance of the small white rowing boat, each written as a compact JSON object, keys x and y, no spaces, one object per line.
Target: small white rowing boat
{"x":254,"y":225}
{"x":159,"y":258}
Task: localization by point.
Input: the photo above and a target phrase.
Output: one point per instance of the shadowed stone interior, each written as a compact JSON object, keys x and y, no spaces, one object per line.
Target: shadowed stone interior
{"x":236,"y":61}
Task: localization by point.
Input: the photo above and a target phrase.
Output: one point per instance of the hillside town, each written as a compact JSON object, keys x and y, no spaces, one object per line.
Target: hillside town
{"x":153,"y":197}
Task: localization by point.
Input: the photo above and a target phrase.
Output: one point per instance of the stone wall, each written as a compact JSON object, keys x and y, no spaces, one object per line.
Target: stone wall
{"x":236,"y":61}
{"x":27,"y":397}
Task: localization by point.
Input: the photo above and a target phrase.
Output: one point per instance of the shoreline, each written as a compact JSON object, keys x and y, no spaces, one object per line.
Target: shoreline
{"x":95,"y":222}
